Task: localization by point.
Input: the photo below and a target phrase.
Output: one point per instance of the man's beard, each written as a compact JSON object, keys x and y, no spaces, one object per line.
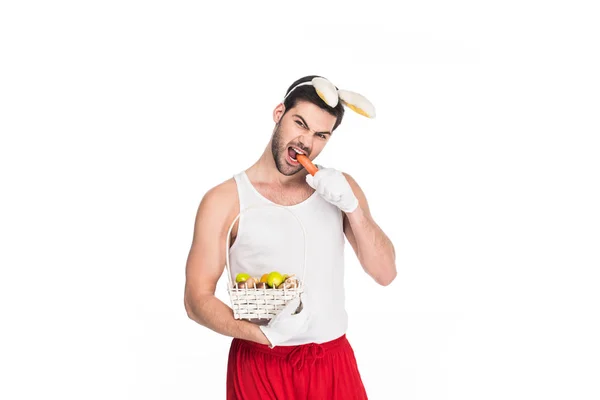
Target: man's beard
{"x":279,"y":152}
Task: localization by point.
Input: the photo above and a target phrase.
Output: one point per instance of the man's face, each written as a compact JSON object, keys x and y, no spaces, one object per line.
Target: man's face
{"x":305,"y":127}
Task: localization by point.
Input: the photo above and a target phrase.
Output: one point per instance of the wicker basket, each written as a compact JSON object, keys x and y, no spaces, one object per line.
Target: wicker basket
{"x":261,"y":303}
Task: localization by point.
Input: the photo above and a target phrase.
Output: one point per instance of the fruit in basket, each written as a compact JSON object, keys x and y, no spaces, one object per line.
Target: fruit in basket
{"x":274,"y":279}
{"x":242,"y":277}
{"x":247,"y":284}
{"x":262,"y":285}
{"x":264,"y":278}
{"x":290,"y":283}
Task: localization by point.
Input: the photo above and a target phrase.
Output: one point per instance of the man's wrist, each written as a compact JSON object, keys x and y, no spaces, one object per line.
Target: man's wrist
{"x":356,"y":213}
{"x":261,"y":337}
{"x":250,"y":331}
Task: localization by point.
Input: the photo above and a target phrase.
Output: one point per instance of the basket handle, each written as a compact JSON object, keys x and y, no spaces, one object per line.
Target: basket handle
{"x":263,"y":206}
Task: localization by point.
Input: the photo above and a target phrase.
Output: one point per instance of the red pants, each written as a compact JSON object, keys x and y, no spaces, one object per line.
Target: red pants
{"x":312,"y":371}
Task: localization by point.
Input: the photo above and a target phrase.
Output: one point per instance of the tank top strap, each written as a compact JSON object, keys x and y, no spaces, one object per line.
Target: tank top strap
{"x":246,"y":193}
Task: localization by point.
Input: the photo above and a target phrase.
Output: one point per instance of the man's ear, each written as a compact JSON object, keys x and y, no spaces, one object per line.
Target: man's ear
{"x":278,"y":113}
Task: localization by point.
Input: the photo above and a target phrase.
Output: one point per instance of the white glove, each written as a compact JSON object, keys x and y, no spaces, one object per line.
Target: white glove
{"x":333,"y":186}
{"x":284,"y":325}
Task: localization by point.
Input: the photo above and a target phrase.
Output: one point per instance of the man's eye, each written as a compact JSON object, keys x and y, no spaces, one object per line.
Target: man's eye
{"x":300,"y":123}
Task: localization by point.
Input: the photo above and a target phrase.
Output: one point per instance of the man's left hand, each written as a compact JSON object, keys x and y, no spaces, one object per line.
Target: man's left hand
{"x":333,"y":186}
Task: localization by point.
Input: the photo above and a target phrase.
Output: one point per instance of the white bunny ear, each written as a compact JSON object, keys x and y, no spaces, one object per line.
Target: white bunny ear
{"x":326,"y":91}
{"x":357,"y":102}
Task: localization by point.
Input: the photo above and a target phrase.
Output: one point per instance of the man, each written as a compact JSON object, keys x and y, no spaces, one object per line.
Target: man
{"x":304,"y":354}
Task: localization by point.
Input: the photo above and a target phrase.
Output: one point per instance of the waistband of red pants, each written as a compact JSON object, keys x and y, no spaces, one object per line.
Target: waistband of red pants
{"x":297,"y":354}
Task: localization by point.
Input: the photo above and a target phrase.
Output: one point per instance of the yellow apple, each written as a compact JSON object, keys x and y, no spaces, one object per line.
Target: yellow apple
{"x":242,"y":277}
{"x":274,"y":279}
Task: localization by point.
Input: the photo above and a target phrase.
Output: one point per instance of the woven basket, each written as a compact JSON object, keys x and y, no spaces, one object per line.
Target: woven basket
{"x":261,"y":303}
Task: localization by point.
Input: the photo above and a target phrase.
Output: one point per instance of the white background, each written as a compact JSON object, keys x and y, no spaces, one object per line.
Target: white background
{"x":482,"y":166}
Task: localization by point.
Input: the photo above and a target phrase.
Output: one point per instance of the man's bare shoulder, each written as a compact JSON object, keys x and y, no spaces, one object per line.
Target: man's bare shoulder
{"x":221,"y":198}
{"x":217,"y":209}
{"x":224,"y":191}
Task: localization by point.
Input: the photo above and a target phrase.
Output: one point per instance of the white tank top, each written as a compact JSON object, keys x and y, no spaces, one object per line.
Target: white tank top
{"x":271,"y":239}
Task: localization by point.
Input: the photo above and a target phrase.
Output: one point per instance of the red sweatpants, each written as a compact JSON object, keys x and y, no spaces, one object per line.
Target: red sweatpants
{"x":326,"y":371}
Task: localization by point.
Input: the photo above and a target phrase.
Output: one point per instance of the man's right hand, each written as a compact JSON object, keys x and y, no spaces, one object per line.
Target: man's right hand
{"x":286,"y":324}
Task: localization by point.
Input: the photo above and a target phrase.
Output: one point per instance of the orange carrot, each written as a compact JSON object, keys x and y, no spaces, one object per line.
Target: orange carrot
{"x":306,"y":163}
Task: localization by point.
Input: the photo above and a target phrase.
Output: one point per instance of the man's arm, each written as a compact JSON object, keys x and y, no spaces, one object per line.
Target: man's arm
{"x":205,"y":265}
{"x":373,"y":248}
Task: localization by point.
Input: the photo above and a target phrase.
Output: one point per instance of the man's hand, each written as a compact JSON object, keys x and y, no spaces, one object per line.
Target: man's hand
{"x":286,"y":324}
{"x":333,"y":186}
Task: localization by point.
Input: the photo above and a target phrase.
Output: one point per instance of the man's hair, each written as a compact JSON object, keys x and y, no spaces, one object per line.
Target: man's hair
{"x":309,"y":94}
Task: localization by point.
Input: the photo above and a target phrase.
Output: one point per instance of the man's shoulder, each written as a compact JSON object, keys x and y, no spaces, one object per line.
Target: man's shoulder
{"x":217,"y":208}
{"x":223,"y":190}
{"x":222,"y":196}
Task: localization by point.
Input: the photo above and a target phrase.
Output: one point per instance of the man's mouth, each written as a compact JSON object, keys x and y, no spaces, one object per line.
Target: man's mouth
{"x":291,"y":153}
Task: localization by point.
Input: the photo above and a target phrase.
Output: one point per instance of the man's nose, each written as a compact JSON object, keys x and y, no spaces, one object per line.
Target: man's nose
{"x":306,"y":140}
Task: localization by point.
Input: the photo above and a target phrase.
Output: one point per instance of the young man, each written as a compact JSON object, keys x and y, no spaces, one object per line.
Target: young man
{"x":295,"y":355}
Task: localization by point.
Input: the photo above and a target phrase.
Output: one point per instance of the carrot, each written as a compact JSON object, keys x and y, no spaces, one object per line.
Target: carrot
{"x":306,"y":163}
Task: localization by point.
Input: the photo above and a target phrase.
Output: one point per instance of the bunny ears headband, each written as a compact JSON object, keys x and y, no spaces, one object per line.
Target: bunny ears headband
{"x":330,"y":95}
